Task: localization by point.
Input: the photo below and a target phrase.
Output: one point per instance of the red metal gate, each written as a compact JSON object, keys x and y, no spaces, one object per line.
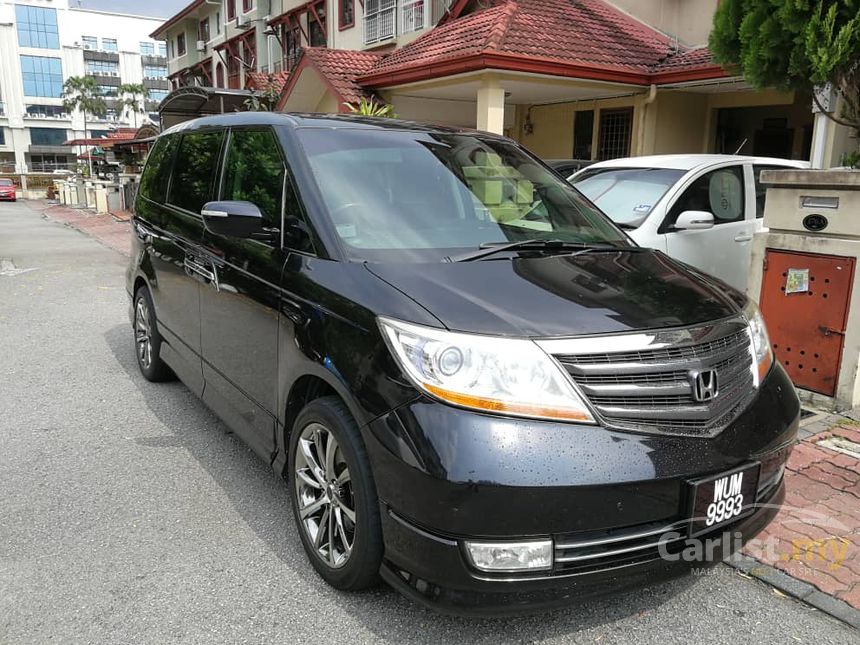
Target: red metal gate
{"x":804,"y":300}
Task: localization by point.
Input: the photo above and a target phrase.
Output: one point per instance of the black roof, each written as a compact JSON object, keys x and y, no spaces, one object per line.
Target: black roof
{"x":298,"y":120}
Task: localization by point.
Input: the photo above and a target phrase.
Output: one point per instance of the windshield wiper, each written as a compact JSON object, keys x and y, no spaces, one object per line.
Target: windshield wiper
{"x":491,"y":248}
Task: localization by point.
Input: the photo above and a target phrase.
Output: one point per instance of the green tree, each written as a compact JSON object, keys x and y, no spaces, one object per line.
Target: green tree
{"x":133,"y":97}
{"x":83,"y":93}
{"x":794,"y":44}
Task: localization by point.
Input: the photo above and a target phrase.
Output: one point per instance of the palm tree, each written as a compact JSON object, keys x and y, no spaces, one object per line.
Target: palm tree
{"x":133,"y":97}
{"x":83,"y":93}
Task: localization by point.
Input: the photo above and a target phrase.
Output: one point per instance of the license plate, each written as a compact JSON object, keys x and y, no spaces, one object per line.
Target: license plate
{"x":722,"y":499}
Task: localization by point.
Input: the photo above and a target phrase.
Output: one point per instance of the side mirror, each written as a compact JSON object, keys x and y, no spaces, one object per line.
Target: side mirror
{"x":235,"y":219}
{"x":694,"y":221}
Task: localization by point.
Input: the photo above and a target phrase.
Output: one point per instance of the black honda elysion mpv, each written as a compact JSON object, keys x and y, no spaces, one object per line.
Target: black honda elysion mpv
{"x":476,"y":385}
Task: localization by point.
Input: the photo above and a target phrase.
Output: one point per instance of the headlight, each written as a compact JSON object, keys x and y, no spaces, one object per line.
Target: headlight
{"x":762,"y":353}
{"x":504,"y":375}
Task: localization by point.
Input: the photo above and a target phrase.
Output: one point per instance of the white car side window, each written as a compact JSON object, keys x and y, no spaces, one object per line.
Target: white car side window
{"x":725,"y":194}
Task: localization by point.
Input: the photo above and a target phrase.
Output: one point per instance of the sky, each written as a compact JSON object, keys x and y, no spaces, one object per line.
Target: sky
{"x":154,"y":8}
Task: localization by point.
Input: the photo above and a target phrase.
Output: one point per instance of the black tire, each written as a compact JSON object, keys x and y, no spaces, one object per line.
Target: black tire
{"x":361,"y":568}
{"x":151,"y":366}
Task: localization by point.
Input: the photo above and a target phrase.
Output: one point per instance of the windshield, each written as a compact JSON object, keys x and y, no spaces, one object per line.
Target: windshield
{"x":413,"y":196}
{"x":627,"y":195}
{"x":6,"y":182}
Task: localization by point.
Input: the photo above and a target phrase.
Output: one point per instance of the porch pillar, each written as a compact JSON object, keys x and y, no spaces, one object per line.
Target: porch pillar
{"x":491,"y":106}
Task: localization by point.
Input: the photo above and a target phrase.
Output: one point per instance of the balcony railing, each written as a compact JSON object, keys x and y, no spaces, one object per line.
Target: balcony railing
{"x":412,"y":16}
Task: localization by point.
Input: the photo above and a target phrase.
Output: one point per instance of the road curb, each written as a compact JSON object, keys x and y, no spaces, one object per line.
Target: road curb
{"x":796,"y":588}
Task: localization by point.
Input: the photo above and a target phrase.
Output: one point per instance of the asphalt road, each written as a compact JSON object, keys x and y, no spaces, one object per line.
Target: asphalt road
{"x":128,"y":514}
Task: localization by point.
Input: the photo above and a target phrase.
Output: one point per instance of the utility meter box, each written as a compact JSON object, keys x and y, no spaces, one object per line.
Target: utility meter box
{"x":802,"y":275}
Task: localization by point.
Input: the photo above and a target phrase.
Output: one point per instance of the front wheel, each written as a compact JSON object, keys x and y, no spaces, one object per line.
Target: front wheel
{"x":334,"y":495}
{"x":147,"y":340}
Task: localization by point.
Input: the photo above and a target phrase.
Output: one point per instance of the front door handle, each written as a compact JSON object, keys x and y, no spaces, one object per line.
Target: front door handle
{"x":743,"y":237}
{"x":192,"y":265}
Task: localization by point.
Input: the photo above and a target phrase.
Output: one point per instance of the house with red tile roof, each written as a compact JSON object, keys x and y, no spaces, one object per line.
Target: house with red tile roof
{"x":592,"y":79}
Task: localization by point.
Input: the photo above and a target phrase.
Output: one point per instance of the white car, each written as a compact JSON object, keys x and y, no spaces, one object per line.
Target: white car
{"x":700,"y":209}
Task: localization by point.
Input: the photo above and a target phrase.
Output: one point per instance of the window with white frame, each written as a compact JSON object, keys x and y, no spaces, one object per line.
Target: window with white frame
{"x":411,"y":16}
{"x":147,"y":49}
{"x":380,"y":20}
{"x":101,"y":67}
{"x":90,"y":42}
{"x":109,"y":44}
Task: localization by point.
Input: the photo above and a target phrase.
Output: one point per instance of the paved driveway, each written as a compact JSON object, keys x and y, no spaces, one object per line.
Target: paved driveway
{"x":129,"y":514}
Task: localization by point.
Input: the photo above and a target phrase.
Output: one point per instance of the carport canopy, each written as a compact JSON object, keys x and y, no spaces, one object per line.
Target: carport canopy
{"x":188,"y":103}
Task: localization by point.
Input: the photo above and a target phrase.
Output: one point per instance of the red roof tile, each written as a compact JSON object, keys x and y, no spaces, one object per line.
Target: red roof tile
{"x":340,"y":68}
{"x":700,"y":57}
{"x":588,"y":32}
{"x":262,"y":81}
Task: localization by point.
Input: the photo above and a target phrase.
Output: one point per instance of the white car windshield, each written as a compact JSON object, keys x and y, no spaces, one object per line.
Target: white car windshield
{"x":627,"y":195}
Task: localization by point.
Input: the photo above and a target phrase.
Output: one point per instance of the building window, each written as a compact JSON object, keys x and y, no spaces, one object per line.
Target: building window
{"x":412,"y":16}
{"x":217,"y":22}
{"x":380,"y":19}
{"x":107,"y":90}
{"x":162,"y":49}
{"x":154,"y":71}
{"x":47,"y":136}
{"x":37,"y":27}
{"x":583,"y":132}
{"x":292,"y":46}
{"x":231,"y":9}
{"x":157,"y":95}
{"x":346,"y":14}
{"x":247,"y":5}
{"x":42,"y":76}
{"x":90,"y":42}
{"x":147,"y":49}
{"x":101,"y":67}
{"x":616,"y":126}
{"x":2,"y":137}
{"x":180,"y":45}
{"x":109,"y":44}
{"x":317,"y":31}
{"x":46,"y":111}
{"x":203,"y":30}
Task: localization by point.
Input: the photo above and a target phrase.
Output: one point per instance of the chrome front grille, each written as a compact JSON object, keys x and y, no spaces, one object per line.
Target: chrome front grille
{"x":644,"y":382}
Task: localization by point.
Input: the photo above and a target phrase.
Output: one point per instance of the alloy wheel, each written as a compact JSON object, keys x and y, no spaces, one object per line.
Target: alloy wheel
{"x":143,"y":333}
{"x":324,"y":495}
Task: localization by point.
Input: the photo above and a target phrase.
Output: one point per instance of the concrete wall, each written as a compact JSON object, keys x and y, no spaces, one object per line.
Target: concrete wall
{"x":680,"y":119}
{"x":689,"y":20}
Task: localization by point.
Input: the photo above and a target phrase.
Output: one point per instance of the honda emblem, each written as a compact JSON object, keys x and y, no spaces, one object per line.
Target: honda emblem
{"x":705,"y":385}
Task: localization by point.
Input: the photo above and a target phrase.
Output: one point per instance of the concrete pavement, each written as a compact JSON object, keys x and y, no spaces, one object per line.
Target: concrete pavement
{"x":128,"y":513}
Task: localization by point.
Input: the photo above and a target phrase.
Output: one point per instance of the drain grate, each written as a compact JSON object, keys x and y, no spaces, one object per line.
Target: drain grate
{"x":843,"y":445}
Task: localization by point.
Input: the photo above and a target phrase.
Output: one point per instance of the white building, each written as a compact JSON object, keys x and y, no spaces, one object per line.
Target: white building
{"x":44,"y":42}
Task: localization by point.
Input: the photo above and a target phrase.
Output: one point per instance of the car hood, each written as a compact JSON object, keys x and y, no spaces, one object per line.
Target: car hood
{"x":591,"y":293}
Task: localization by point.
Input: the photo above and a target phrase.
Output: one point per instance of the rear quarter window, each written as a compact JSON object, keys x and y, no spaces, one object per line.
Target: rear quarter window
{"x":153,"y":183}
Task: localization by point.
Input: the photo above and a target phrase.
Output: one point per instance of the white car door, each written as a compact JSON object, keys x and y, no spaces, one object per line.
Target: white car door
{"x":722,"y":250}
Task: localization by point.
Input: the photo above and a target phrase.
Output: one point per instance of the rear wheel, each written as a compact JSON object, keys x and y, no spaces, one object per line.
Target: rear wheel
{"x":334,"y":495}
{"x":147,"y":340}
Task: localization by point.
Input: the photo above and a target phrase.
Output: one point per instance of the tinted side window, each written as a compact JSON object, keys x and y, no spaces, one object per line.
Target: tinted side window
{"x":195,"y":169}
{"x":720,"y":192}
{"x":153,"y":183}
{"x":254,"y":172}
{"x":761,"y":189}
